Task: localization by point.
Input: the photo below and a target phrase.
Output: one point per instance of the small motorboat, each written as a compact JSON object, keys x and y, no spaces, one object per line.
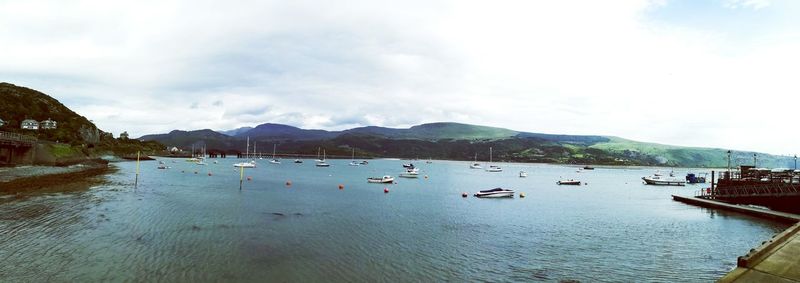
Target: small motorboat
{"x":409,"y":165}
{"x":410,"y":173}
{"x":384,"y":180}
{"x":495,"y":193}
{"x":215,"y":162}
{"x":494,"y":168}
{"x":587,"y":167}
{"x":250,"y":164}
{"x":298,"y":161}
{"x":692,"y":178}
{"x":322,"y":163}
{"x":364,"y":162}
{"x":569,"y":182}
{"x":354,"y":163}
{"x":523,"y":174}
{"x":475,"y":166}
{"x":663,"y":181}
{"x":162,"y":166}
{"x":275,"y":161}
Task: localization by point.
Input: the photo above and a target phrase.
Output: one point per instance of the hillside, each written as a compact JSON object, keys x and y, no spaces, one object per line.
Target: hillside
{"x":20,"y":103}
{"x":462,"y":141}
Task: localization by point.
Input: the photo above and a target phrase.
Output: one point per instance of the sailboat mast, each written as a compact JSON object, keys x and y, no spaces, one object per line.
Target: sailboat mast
{"x":247,"y":149}
{"x":273,"y":151}
{"x":490,"y":155}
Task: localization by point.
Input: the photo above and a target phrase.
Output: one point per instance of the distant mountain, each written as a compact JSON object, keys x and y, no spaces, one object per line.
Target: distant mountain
{"x":462,"y":141}
{"x":235,"y":132}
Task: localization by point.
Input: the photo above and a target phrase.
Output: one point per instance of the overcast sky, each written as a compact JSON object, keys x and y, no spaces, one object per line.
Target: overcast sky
{"x":718,"y":73}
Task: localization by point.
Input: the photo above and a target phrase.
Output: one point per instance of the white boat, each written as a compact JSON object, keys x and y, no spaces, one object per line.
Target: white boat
{"x":298,"y":161}
{"x":249,"y":164}
{"x":569,"y":182}
{"x":318,"y":159}
{"x":274,"y":160}
{"x":353,"y":161}
{"x":475,"y":164}
{"x":321,"y":162}
{"x":410,"y":173}
{"x":663,"y":181}
{"x":364,"y":162}
{"x":523,"y":174}
{"x":384,"y":180}
{"x":493,"y":168}
{"x":495,"y":193}
{"x":162,"y":166}
{"x":408,"y":165}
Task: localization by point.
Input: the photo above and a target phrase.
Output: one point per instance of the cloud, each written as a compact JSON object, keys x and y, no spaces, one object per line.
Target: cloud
{"x":672,"y":71}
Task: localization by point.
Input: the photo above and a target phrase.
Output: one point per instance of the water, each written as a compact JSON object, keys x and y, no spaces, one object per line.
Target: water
{"x":194,"y":227}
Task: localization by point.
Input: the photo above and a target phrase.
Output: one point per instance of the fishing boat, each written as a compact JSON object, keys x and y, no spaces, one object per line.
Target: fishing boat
{"x":410,"y":173}
{"x":663,"y":181}
{"x":569,"y":182}
{"x":274,"y":160}
{"x":383,"y":180}
{"x":321,"y":162}
{"x":495,"y":193}
{"x":523,"y":174}
{"x":692,"y":178}
{"x":353,"y":161}
{"x":475,"y":164}
{"x":493,"y":168}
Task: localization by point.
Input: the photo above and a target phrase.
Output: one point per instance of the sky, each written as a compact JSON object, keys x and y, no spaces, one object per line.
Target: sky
{"x":716,"y":73}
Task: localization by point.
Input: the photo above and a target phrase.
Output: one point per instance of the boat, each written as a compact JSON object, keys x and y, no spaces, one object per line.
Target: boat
{"x":318,"y":159}
{"x":587,"y":167}
{"x":248,"y":164}
{"x":495,"y":193}
{"x":298,"y":161}
{"x":410,"y":173}
{"x":274,"y":160}
{"x":429,"y":161}
{"x":493,"y":168}
{"x":692,"y":178}
{"x":383,"y":180}
{"x":321,"y":162}
{"x":569,"y":182}
{"x":523,"y":174}
{"x":353,"y":161}
{"x":475,"y":164}
{"x":663,"y":181}
{"x":364,"y":162}
{"x":409,"y":165}
{"x":162,"y":166}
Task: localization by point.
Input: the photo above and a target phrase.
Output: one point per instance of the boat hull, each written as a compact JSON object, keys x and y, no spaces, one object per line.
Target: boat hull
{"x":505,"y":194}
{"x":569,"y":183}
{"x":662,"y":182}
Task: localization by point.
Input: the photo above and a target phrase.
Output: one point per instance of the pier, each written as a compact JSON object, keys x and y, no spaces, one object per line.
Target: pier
{"x":16,"y":148}
{"x":776,"y":260}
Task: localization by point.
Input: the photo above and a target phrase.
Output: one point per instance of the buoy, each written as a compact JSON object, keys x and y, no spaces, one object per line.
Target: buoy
{"x":183,"y":171}
{"x":195,"y":172}
{"x":209,"y":173}
{"x":426,"y":176}
{"x":341,"y":187}
{"x":521,"y":195}
{"x":463,"y":195}
{"x":288,"y":183}
{"x":249,"y":178}
{"x":385,"y":190}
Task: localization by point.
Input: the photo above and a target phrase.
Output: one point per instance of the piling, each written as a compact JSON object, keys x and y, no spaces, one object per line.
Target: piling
{"x":136,"y":181}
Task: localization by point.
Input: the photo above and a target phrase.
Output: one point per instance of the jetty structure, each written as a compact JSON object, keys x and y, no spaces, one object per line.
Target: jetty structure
{"x":776,"y":259}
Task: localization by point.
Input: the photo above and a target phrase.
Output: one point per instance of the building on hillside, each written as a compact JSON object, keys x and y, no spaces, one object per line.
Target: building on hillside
{"x":48,"y":124}
{"x":124,"y":135}
{"x":174,"y":149}
{"x":29,"y":124}
{"x":2,"y":123}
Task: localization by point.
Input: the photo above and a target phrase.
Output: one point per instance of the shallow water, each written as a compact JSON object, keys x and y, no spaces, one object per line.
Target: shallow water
{"x":182,"y":226}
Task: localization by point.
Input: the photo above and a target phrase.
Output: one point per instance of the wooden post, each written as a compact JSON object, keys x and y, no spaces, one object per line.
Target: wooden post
{"x":241,"y":177}
{"x":136,"y":182}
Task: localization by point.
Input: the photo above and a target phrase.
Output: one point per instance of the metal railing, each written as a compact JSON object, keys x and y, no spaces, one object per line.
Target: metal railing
{"x":14,"y":138}
{"x":752,"y":190}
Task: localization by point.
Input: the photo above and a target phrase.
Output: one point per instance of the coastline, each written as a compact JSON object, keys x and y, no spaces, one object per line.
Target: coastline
{"x":28,"y":179}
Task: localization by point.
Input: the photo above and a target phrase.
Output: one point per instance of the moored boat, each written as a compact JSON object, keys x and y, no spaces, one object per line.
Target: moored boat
{"x":495,"y":193}
{"x":663,"y":181}
{"x":384,"y":180}
{"x":587,"y":167}
{"x":569,"y":182}
{"x":493,"y":168}
{"x":523,"y":174}
{"x":249,"y":164}
{"x":410,"y":173}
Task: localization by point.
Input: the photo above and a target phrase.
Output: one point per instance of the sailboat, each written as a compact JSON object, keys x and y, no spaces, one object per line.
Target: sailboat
{"x":298,"y":160}
{"x":353,"y":161}
{"x":252,"y":163}
{"x":201,"y":160}
{"x":321,"y":162}
{"x":274,"y":160}
{"x":193,"y":158}
{"x":475,"y":164}
{"x":493,"y":168}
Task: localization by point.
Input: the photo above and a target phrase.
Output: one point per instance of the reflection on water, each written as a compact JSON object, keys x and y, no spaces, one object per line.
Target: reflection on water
{"x":195,"y":227}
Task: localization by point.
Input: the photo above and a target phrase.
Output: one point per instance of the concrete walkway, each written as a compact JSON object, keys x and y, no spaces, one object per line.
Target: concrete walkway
{"x":776,"y":260}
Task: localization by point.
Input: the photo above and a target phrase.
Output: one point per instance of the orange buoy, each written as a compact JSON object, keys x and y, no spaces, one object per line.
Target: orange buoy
{"x":385,"y":190}
{"x":249,"y":178}
{"x":464,"y":194}
{"x":209,"y":173}
{"x":341,"y":187}
{"x":288,"y":183}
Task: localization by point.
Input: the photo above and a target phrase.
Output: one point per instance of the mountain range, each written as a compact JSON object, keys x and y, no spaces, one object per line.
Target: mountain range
{"x":456,"y":141}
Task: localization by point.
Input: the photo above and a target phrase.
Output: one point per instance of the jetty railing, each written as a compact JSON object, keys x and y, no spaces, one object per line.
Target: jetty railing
{"x":16,"y":139}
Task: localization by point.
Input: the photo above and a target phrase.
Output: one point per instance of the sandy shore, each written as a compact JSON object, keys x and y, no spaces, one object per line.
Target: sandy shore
{"x":50,"y":178}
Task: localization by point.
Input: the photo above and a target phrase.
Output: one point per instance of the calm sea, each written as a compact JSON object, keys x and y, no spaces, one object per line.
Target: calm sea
{"x":187,"y":227}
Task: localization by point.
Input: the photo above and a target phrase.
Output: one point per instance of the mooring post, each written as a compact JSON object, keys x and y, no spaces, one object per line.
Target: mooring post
{"x":136,"y":182}
{"x":241,"y":177}
{"x":713,"y":192}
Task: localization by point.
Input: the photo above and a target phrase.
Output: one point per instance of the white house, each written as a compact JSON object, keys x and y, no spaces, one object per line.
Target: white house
{"x":2,"y":123}
{"x":29,"y":124}
{"x":48,"y":124}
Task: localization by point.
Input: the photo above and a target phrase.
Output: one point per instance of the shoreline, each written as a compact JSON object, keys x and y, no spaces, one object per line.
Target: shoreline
{"x":30,"y":179}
